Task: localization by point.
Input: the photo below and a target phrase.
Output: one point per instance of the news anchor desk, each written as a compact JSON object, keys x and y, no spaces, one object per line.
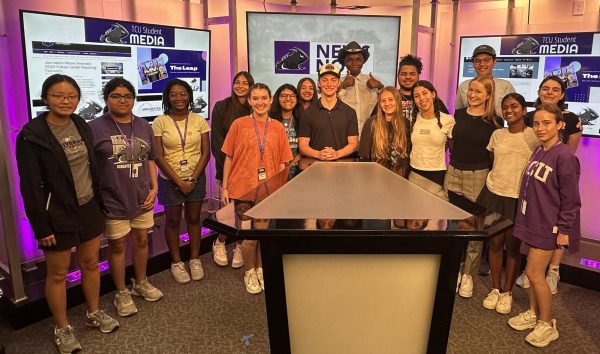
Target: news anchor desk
{"x":356,"y":258}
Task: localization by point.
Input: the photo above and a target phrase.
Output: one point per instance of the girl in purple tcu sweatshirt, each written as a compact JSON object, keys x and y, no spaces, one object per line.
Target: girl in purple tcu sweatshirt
{"x":547,"y":219}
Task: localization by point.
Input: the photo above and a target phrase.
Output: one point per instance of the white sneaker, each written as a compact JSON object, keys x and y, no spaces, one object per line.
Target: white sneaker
{"x":238,"y":260}
{"x":251,"y":281}
{"x":552,"y":278}
{"x":261,"y":279}
{"x":504,"y":305}
{"x":523,"y":281}
{"x":146,"y":290}
{"x":491,"y":300}
{"x":101,"y":320}
{"x":179,"y":273}
{"x":542,"y":334}
{"x":523,"y":321}
{"x":124,"y":303}
{"x":65,"y":340}
{"x":196,"y":269}
{"x":466,"y":286}
{"x":220,"y":253}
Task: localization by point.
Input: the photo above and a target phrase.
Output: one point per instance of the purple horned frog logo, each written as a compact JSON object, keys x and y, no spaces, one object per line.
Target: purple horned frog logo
{"x":115,"y":34}
{"x":292,"y":60}
{"x":527,"y":46}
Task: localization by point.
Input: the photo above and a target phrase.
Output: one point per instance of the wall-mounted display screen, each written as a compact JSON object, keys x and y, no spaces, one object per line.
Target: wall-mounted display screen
{"x":93,"y":51}
{"x":525,"y":60}
{"x":285,"y":47}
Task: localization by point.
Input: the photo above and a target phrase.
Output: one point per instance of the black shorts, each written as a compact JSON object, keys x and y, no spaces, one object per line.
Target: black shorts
{"x":91,"y":224}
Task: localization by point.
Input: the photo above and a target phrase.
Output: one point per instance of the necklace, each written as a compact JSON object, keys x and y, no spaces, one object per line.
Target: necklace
{"x":404,"y":98}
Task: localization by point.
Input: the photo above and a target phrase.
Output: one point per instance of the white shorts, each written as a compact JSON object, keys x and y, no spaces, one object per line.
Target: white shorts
{"x":116,"y":229}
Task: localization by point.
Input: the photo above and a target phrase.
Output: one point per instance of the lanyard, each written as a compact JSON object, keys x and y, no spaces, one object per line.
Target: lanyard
{"x":261,"y":146}
{"x":129,"y":146}
{"x":289,"y":126}
{"x":184,"y":137}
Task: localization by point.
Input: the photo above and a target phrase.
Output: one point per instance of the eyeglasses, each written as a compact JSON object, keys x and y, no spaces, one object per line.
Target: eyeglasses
{"x":178,"y":95}
{"x":288,"y":96}
{"x":61,"y":98}
{"x":482,"y":61}
{"x":117,"y":97}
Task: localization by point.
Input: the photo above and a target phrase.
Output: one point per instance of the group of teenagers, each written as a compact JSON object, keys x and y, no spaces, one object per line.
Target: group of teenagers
{"x":81,"y":180}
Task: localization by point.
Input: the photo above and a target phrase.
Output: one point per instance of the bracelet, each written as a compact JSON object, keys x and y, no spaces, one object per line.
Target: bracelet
{"x":192,"y":179}
{"x":154,"y":190}
{"x":224,"y":188}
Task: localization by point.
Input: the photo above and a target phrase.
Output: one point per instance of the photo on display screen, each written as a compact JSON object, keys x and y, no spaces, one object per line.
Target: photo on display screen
{"x":277,"y":56}
{"x":525,"y":60}
{"x":93,"y":51}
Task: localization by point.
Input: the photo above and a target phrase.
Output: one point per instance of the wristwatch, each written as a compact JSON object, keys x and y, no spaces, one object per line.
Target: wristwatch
{"x":193,"y":180}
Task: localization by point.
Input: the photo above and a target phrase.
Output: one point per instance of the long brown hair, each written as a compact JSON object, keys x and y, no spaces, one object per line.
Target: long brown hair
{"x":489,"y":113}
{"x":381,"y":142}
{"x":235,"y":108}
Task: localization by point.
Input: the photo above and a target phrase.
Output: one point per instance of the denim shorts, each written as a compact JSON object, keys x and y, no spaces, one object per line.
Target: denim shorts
{"x":169,"y":194}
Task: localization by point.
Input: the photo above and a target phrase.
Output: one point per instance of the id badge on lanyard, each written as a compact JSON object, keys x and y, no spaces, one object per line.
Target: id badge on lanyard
{"x":184,"y":166}
{"x":262,"y":174}
{"x":261,"y":171}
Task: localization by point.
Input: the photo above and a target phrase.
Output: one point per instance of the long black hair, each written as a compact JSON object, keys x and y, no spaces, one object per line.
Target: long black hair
{"x":235,"y":108}
{"x":315,"y":89}
{"x":275,"y":111}
{"x":436,"y":102}
{"x":113,"y":84}
{"x":56,"y":79}
{"x":517,"y":97}
{"x":166,"y":101}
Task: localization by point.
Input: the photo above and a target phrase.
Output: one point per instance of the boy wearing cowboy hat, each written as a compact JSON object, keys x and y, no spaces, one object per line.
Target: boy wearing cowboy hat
{"x":358,"y":90}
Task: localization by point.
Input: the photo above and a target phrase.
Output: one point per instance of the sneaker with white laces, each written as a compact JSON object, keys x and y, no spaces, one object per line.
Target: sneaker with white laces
{"x":219,"y":253}
{"x":238,"y":260}
{"x":145,"y":290}
{"x":65,"y":340}
{"x":261,"y":279}
{"x":552,"y":278}
{"x":524,"y":320}
{"x":124,"y":303}
{"x":196,"y":269}
{"x":251,"y":281}
{"x":504,"y":305}
{"x":179,"y":273}
{"x":466,"y":286}
{"x":101,"y":320}
{"x":491,"y":300}
{"x":542,"y":334}
{"x":523,"y":281}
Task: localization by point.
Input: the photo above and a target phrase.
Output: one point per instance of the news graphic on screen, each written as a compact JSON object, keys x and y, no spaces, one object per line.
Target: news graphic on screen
{"x":93,"y":51}
{"x":285,"y":47}
{"x":525,"y":60}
